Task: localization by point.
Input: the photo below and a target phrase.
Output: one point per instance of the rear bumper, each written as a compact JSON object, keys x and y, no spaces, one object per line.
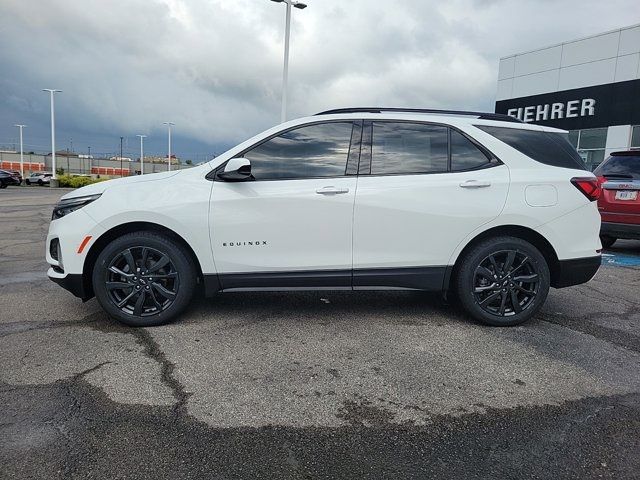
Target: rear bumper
{"x":575,"y":271}
{"x":620,"y":230}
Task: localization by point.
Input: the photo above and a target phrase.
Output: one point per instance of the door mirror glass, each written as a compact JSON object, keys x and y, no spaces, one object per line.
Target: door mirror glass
{"x":236,"y":170}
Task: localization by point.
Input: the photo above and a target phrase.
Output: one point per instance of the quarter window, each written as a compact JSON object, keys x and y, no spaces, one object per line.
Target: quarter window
{"x":464,"y":154}
{"x":311,"y":151}
{"x":406,"y":148}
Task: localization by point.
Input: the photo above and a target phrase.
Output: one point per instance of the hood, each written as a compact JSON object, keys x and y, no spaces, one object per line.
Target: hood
{"x":101,"y":187}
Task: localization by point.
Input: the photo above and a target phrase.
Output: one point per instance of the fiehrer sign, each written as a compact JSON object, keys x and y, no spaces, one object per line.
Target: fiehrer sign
{"x":589,"y":107}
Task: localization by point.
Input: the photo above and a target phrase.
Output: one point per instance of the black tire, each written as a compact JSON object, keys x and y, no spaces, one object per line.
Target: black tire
{"x":607,"y":242}
{"x":166,"y":290}
{"x":3,"y":185}
{"x":498,"y":298}
{"x":40,"y":182}
{"x":27,"y":182}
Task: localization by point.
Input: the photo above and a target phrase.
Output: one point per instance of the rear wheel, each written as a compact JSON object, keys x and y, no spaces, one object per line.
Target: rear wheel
{"x":503,"y":281}
{"x":144,"y":279}
{"x":607,"y":242}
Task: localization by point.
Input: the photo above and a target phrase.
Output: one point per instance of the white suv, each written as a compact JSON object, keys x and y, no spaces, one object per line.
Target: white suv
{"x":477,"y":205}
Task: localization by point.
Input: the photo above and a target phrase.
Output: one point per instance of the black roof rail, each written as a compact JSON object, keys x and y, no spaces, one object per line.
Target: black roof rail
{"x":482,"y":115}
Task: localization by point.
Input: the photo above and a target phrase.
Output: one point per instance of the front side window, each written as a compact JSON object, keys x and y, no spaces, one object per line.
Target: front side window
{"x":311,"y":151}
{"x":464,"y":154}
{"x":408,"y":148}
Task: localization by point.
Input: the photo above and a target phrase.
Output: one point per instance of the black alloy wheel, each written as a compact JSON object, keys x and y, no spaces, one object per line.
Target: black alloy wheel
{"x":505,"y":283}
{"x":144,"y":278}
{"x":142,"y":281}
{"x":502,"y":281}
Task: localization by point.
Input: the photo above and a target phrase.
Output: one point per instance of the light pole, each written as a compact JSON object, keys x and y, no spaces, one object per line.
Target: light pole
{"x":169,"y":124}
{"x":121,"y":138}
{"x":21,"y":152}
{"x":89,"y":158}
{"x":285,"y":71}
{"x":142,"y":137}
{"x":54,"y":175}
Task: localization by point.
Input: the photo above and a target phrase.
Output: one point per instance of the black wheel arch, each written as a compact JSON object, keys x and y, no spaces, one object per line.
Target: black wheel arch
{"x":517,"y":231}
{"x":120,"y":230}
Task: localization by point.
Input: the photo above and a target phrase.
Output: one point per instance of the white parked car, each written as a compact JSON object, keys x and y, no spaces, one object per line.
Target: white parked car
{"x":39,"y":178}
{"x":477,"y":205}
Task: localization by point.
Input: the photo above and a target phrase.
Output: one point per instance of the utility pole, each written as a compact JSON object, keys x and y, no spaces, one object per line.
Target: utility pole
{"x":54,"y":176}
{"x":141,"y":153}
{"x":285,"y":70}
{"x":169,"y":124}
{"x":21,"y":152}
{"x":121,"y":138}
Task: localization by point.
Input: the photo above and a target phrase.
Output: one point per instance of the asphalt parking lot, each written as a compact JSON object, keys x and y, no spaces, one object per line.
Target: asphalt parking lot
{"x":312,"y":385}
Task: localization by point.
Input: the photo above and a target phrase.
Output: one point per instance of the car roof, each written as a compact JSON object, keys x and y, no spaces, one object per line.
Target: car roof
{"x":449,"y":117}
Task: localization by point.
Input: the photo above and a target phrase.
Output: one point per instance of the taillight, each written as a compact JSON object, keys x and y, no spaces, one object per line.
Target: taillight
{"x":589,"y":186}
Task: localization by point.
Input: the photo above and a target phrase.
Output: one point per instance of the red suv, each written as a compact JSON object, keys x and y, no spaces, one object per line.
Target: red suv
{"x":619,"y":203}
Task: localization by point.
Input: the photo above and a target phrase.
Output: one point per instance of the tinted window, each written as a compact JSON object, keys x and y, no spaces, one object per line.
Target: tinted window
{"x":545,"y":147}
{"x":307,"y":152}
{"x":623,"y":165}
{"x":464,"y":154}
{"x":402,"y":148}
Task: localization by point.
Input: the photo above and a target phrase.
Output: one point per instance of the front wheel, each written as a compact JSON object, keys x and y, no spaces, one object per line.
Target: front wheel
{"x":144,"y":279}
{"x":503,"y":281}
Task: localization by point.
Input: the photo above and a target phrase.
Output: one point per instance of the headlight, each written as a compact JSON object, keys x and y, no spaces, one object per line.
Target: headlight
{"x":65,"y":207}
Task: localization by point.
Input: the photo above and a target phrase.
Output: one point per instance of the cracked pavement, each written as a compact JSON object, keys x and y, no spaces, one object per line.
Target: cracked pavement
{"x":311,"y":385}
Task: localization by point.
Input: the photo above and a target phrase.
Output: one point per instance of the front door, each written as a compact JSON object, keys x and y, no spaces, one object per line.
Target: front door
{"x":292,"y":225}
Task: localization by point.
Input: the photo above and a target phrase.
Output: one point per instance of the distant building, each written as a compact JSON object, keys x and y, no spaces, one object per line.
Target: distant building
{"x":590,"y":87}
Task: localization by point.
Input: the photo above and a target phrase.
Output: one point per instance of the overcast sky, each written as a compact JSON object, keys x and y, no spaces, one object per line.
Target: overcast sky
{"x":214,"y":67}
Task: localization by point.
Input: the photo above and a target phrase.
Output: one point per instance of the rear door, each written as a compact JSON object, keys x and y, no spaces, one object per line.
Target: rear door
{"x":292,"y":225}
{"x":422,"y":189}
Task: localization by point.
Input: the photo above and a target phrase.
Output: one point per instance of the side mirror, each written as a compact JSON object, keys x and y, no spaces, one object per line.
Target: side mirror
{"x":236,"y":170}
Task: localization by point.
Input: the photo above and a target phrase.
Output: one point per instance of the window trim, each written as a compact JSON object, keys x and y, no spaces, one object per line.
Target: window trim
{"x":492,"y":159}
{"x":213,"y":174}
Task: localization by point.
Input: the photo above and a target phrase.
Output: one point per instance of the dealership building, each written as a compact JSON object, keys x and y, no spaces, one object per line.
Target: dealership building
{"x":589,"y":86}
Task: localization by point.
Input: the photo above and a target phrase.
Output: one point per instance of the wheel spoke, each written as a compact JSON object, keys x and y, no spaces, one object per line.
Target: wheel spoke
{"x":163,"y":291}
{"x":167,"y":275}
{"x":524,"y":290}
{"x":511,"y":256}
{"x":493,"y":286}
{"x":118,"y":285}
{"x":145,"y":256}
{"x":155,"y":299}
{"x":503,"y":303}
{"x":485,"y":272}
{"x":124,"y":301}
{"x":128,"y":256}
{"x":137,"y":309}
{"x":533,"y":278}
{"x":490,"y":298}
{"x":515,"y":303}
{"x":117,"y":271}
{"x":496,"y":269}
{"x":522,"y":264}
{"x":164,"y":260}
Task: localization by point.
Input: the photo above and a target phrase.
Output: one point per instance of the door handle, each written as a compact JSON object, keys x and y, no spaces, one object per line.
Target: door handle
{"x":331,"y":190}
{"x":475,"y":184}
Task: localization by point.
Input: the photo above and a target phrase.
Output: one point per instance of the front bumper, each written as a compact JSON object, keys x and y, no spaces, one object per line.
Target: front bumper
{"x":73,"y":282}
{"x":620,"y":230}
{"x":575,"y":271}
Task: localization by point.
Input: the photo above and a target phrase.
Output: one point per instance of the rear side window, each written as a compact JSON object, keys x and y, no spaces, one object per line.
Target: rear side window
{"x":406,"y":148}
{"x":464,"y":154}
{"x":545,"y":147}
{"x":621,"y":166}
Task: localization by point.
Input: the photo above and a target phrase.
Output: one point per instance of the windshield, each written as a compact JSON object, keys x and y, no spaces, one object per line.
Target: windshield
{"x":620,"y":166}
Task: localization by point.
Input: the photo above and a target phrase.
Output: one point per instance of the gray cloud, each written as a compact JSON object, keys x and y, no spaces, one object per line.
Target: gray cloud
{"x":214,"y":67}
